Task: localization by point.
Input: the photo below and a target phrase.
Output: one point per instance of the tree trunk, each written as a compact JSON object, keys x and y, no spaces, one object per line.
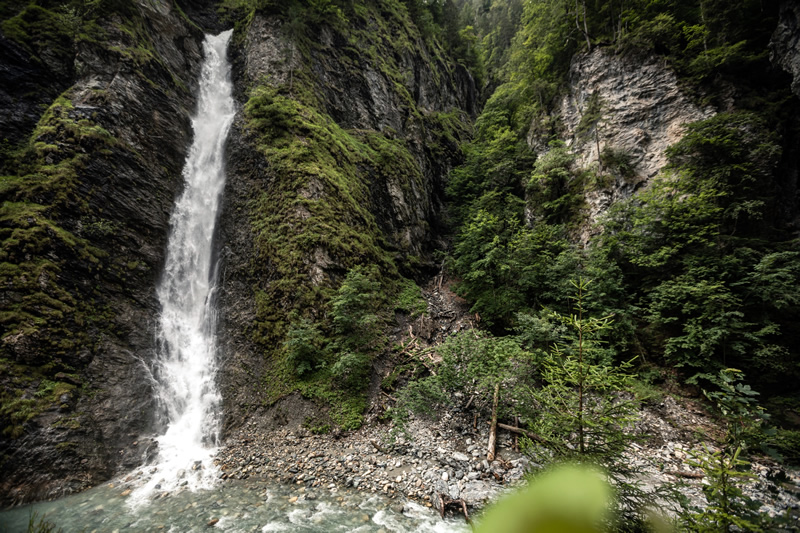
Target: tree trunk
{"x":581,"y":439}
{"x":586,"y":29}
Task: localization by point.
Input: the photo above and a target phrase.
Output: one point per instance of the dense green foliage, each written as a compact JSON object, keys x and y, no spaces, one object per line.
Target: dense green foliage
{"x":699,"y":267}
{"x":699,"y":247}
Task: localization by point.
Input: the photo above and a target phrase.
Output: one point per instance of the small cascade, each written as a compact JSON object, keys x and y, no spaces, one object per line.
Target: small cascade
{"x":184,"y":369}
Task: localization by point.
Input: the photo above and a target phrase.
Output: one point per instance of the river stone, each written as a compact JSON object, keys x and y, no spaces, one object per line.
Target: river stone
{"x":458,"y":456}
{"x":476,"y":492}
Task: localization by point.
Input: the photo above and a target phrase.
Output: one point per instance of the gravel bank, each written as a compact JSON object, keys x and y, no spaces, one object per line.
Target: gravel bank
{"x":448,"y":457}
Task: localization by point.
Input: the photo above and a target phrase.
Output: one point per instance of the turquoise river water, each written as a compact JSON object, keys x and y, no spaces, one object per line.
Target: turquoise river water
{"x":240,"y":506}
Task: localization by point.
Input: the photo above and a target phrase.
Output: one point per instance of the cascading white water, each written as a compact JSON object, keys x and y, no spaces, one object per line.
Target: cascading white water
{"x":184,"y":371}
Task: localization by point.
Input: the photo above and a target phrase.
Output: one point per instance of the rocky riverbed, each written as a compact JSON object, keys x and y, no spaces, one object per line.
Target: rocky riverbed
{"x":436,"y":461}
{"x":448,"y":458}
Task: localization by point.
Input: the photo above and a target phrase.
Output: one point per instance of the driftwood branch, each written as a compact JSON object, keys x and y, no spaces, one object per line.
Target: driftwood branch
{"x":493,"y":427}
{"x":412,"y":349}
{"x":389,"y":396}
{"x":680,"y":473}
{"x":432,"y":371}
{"x":469,"y":402}
{"x":532,"y":436}
{"x":445,"y":501}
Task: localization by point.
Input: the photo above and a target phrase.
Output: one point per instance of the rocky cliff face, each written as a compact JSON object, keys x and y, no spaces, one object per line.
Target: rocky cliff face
{"x":337,"y":159}
{"x":785,"y":43}
{"x":84,"y":224}
{"x":631,"y":109}
{"x":355,"y":178}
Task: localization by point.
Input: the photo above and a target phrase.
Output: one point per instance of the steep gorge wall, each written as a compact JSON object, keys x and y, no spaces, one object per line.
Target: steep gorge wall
{"x":630,"y":105}
{"x":338,"y":159}
{"x":84,"y":224}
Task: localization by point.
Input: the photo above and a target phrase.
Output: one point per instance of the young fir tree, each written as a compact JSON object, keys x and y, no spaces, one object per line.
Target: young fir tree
{"x":585,"y":410}
{"x":726,"y":470}
{"x":357,"y":325}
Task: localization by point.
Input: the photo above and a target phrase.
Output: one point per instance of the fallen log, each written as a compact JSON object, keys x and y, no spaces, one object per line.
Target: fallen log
{"x":680,"y":473}
{"x":532,"y":436}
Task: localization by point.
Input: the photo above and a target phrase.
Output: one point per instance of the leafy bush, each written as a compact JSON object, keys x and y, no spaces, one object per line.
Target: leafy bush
{"x":303,"y":346}
{"x":409,"y":299}
{"x":354,"y":310}
{"x":725,"y":469}
{"x":352,"y":368}
{"x":473,"y":363}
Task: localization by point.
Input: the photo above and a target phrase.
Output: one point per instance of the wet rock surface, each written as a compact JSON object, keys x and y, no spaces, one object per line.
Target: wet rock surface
{"x":119,"y":203}
{"x":25,"y":86}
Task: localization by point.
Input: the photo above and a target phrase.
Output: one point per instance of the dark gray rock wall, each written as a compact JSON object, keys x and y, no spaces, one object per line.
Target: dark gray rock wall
{"x":120,"y":204}
{"x":25,"y":86}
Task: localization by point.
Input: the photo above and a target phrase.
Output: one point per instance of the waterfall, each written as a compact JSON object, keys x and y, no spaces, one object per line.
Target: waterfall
{"x":184,"y":369}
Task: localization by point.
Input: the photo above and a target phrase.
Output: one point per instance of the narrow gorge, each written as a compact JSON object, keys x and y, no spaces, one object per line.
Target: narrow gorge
{"x":264,"y":259}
